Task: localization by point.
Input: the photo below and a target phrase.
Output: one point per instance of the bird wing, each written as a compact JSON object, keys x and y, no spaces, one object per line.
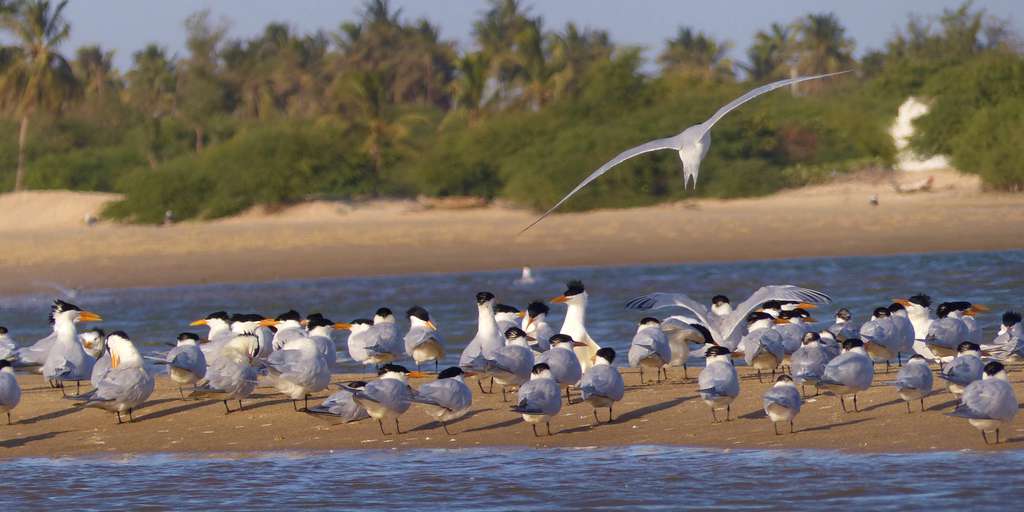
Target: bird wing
{"x":446,"y":393}
{"x":788,"y":292}
{"x":117,"y":384}
{"x":419,"y":335}
{"x":540,"y":396}
{"x":753,"y":93}
{"x":647,"y":147}
{"x":660,"y":300}
{"x":787,"y":397}
{"x":602,"y":380}
{"x":719,"y":379}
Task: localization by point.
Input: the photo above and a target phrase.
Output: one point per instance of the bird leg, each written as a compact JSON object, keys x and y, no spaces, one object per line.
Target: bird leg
{"x":759,"y":376}
{"x":306,"y":403}
{"x":435,"y":365}
{"x":181,"y":391}
{"x":714,"y":417}
{"x":398,"y":429}
{"x":790,"y":426}
{"x":131,"y":419}
{"x":535,"y":434}
{"x":444,"y":425}
{"x":997,"y":436}
{"x":641,"y":375}
{"x":728,"y":412}
{"x":899,"y":359}
{"x":855,"y":404}
{"x":239,"y":405}
{"x":8,"y":417}
{"x":227,"y":410}
{"x":596,"y":419}
{"x":78,"y":387}
{"x":548,"y":423}
{"x":984,"y":436}
{"x":922,"y":404}
{"x":118,"y":413}
{"x":908,"y":407}
{"x":842,"y":403}
{"x":491,"y":390}
{"x":609,"y":414}
{"x":685,"y":376}
{"x":775,"y":427}
{"x":886,"y":366}
{"x":381,"y":423}
{"x":480,"y":382}
{"x":295,"y":407}
{"x":503,"y":397}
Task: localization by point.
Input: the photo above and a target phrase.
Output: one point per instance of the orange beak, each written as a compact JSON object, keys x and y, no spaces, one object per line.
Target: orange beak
{"x":578,"y":344}
{"x":89,"y":316}
{"x":810,"y":320}
{"x":343,"y":326}
{"x":431,"y":325}
{"x":417,"y":375}
{"x":303,"y":322}
{"x":806,"y":305}
{"x":199,"y":322}
{"x":780,"y":321}
{"x":737,"y":355}
{"x":903,"y":302}
{"x":560,"y":299}
{"x":520,"y":314}
{"x":976,"y":308}
{"x":268,"y":322}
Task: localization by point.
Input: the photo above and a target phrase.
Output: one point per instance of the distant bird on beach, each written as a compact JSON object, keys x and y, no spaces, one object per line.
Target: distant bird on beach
{"x":726,"y":324}
{"x":692,"y":144}
{"x":527,"y":278}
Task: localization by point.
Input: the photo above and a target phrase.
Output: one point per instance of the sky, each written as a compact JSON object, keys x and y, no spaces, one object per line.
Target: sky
{"x":127,"y":26}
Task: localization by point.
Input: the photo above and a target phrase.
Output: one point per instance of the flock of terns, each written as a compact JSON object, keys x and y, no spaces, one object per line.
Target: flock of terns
{"x":519,"y":350}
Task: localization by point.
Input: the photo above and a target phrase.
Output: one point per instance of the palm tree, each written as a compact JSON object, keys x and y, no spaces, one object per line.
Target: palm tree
{"x":95,"y":70}
{"x":36,"y":77}
{"x":150,"y":91}
{"x":573,"y":52}
{"x":499,"y":35}
{"x":201,"y":93}
{"x":470,"y":82}
{"x":696,"y":53}
{"x":823,"y":45}
{"x":772,"y":54}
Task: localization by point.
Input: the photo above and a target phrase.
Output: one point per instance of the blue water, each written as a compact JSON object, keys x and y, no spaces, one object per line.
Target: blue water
{"x":649,"y":477}
{"x":525,"y":479}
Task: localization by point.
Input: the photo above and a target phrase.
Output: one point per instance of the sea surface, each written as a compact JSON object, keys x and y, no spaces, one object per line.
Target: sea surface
{"x":623,"y":478}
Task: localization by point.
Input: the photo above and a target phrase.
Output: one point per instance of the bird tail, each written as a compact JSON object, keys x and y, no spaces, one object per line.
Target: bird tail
{"x":524,"y":407}
{"x":962,"y":411}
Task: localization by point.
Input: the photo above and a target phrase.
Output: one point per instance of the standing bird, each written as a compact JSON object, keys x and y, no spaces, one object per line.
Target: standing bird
{"x":391,"y":342}
{"x":8,"y":347}
{"x":35,"y":354}
{"x":681,"y":334}
{"x":691,"y":144}
{"x":881,"y":337}
{"x":95,"y":342}
{"x":374,"y":341}
{"x":849,"y":373}
{"x":989,"y":404}
{"x":729,"y":325}
{"x":575,"y":324}
{"x":510,"y":365}
{"x":537,"y":327}
{"x":10,"y":392}
{"x":1008,"y":345}
{"x":299,"y":370}
{"x":485,"y":342}
{"x":507,"y":316}
{"x":842,"y":328}
{"x":965,"y":368}
{"x":718,"y":384}
{"x":219,"y":323}
{"x":762,"y":346}
{"x":920,"y":314}
{"x":342,"y":404}
{"x":126,"y":386}
{"x":289,"y":327}
{"x":782,"y":402}
{"x":186,"y":364}
{"x":791,"y":326}
{"x":386,"y":398}
{"x":446,"y":399}
{"x":649,"y":348}
{"x":966,"y":311}
{"x":539,"y":399}
{"x":809,"y":361}
{"x":562,"y":363}
{"x":914,"y":381}
{"x":232,"y":375}
{"x":320,"y":331}
{"x":67,"y":360}
{"x":904,"y":331}
{"x":423,"y":343}
{"x":602,"y":385}
{"x":946,"y":332}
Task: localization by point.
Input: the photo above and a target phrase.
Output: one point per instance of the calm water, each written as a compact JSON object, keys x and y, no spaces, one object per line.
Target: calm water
{"x":650,"y":477}
{"x":521,"y":479}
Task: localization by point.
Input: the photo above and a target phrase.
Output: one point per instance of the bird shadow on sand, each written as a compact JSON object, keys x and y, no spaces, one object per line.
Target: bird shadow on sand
{"x":268,"y":403}
{"x":753,"y":415}
{"x":431,"y":425}
{"x":651,"y":409}
{"x":500,"y":424}
{"x":881,"y":404}
{"x":943,"y":405}
{"x":187,"y":406}
{"x":51,"y":415}
{"x":831,"y":426}
{"x":22,"y":441}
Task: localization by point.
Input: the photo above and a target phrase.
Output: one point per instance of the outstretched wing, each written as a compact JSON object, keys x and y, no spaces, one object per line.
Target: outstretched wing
{"x":786,"y":292}
{"x":654,"y":145}
{"x":660,"y":300}
{"x":753,"y":93}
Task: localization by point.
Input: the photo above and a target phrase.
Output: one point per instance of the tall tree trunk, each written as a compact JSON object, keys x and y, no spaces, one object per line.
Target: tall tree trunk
{"x":793,"y":74}
{"x":19,"y":176}
{"x":199,"y":139}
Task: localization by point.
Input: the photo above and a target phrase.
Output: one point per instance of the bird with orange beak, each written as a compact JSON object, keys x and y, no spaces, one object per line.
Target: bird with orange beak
{"x":423,"y":343}
{"x":575,"y":324}
{"x":67,"y":360}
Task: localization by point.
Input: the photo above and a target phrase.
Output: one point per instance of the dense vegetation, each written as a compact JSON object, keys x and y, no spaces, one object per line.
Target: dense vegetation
{"x":385,"y":106}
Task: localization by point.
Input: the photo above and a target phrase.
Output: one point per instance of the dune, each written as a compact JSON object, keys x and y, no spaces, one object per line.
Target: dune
{"x":44,"y":235}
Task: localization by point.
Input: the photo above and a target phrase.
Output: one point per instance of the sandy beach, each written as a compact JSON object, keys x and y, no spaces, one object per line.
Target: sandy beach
{"x":669,"y":413}
{"x":45,"y":239}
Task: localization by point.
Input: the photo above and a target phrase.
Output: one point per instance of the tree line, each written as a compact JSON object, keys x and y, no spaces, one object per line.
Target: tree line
{"x":386,"y":106}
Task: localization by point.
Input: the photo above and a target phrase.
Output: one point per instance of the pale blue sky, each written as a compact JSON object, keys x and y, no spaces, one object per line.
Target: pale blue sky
{"x":128,"y":25}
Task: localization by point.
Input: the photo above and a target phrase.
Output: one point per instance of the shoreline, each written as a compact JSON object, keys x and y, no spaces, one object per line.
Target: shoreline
{"x":336,"y":240}
{"x":668,"y":414}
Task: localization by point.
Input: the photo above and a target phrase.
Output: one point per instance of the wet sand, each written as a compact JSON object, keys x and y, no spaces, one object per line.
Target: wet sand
{"x":669,"y":413}
{"x":45,"y":240}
